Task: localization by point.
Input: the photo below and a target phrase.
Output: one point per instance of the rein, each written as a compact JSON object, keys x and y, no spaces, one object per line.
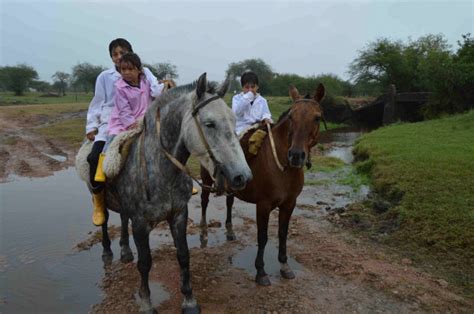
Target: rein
{"x":184,"y":168}
{"x":272,"y":142}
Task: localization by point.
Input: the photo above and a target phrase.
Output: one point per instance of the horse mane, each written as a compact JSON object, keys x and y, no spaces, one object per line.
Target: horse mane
{"x":176,"y":92}
{"x":283,"y":115}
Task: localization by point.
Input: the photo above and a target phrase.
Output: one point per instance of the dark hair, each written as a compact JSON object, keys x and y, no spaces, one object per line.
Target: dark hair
{"x":119,"y":42}
{"x":248,"y":77}
{"x":133,"y":59}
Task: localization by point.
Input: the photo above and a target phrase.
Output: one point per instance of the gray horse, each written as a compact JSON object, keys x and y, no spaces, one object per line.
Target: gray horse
{"x":150,"y":188}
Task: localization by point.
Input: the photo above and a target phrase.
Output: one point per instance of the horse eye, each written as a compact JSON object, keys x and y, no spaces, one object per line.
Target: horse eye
{"x":210,"y":125}
{"x":317,"y":119}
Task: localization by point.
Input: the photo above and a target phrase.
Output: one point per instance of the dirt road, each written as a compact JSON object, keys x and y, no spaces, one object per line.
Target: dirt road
{"x":25,"y":152}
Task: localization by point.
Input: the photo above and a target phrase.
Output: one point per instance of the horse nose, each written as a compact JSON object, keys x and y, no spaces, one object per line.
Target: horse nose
{"x":238,"y":181}
{"x":296,"y":157}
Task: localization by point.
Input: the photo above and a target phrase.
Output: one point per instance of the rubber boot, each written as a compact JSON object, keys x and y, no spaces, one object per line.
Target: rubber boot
{"x":195,"y":191}
{"x":99,"y":173}
{"x":98,"y":215}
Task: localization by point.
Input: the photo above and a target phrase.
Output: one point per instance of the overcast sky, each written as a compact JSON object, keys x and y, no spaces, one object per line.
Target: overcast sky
{"x":302,"y":37}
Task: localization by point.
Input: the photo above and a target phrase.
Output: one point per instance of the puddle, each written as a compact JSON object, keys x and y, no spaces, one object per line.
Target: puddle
{"x":157,"y":294}
{"x":59,"y":158}
{"x":41,"y":221}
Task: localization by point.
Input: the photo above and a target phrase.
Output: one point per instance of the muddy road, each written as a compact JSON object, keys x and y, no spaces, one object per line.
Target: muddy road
{"x":51,"y":259}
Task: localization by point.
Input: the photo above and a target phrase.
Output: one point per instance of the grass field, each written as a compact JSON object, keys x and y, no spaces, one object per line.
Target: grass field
{"x":426,"y":170}
{"x":30,"y":98}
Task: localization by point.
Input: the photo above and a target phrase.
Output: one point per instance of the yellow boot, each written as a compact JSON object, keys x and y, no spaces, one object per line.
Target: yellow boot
{"x":98,"y":215}
{"x":99,"y":173}
{"x":195,"y":191}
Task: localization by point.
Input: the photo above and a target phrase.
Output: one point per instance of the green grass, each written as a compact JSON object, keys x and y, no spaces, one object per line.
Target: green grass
{"x":30,"y":98}
{"x":354,"y":180}
{"x":70,"y":131}
{"x":30,"y":113}
{"x":427,"y":171}
{"x":325,"y":164}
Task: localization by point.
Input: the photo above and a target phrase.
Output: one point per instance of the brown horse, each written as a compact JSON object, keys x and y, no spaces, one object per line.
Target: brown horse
{"x":295,"y":133}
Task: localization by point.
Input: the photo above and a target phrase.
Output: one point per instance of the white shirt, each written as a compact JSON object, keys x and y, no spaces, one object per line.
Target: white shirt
{"x":101,"y":105}
{"x":249,"y":109}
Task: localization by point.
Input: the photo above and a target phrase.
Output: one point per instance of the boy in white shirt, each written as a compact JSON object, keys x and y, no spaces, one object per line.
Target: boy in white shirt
{"x":249,"y":107}
{"x":98,"y":117}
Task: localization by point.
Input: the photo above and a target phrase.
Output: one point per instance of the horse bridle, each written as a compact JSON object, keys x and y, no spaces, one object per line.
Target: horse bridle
{"x":272,"y":143}
{"x":184,"y":168}
{"x":194,"y":113}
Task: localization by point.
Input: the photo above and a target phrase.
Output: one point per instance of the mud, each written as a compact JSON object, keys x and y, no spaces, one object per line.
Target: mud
{"x":335,"y":272}
{"x":24,"y":152}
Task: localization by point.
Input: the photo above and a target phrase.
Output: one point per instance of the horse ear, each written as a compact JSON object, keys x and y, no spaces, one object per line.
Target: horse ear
{"x":224,"y":87}
{"x":201,"y":85}
{"x":320,"y":92}
{"x":294,"y":94}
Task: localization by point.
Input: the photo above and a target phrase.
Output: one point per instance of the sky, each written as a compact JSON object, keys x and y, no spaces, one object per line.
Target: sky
{"x":301,"y":37}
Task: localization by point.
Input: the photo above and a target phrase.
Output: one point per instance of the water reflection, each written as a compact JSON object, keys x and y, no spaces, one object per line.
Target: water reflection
{"x":41,"y":221}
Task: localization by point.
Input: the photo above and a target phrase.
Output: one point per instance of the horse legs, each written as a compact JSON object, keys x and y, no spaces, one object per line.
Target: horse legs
{"x":141,"y":236}
{"x":228,"y":222}
{"x":207,"y":181}
{"x":283,"y":223}
{"x":126,"y":255}
{"x":204,"y":202}
{"x":178,"y":225}
{"x":107,"y":254}
{"x":263,"y":214}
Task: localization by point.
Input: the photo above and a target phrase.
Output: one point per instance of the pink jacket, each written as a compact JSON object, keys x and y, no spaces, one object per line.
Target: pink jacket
{"x":130,"y":104}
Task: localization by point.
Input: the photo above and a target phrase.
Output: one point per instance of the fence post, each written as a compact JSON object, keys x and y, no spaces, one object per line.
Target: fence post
{"x":389,"y":107}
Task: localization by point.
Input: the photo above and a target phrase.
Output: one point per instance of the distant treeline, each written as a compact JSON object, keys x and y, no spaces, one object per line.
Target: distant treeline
{"x":427,"y":64}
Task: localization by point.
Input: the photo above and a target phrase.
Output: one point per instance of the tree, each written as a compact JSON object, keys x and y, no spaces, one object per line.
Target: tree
{"x":17,"y":78}
{"x":452,"y":79}
{"x":163,"y":70}
{"x":41,"y":86}
{"x":84,"y":76}
{"x":384,"y":62}
{"x":60,"y":82}
{"x":264,"y":72}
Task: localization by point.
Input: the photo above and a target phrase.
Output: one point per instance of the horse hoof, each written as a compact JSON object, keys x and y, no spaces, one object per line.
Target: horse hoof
{"x":263,"y":280}
{"x":287,"y":274}
{"x":107,"y":257}
{"x":191,"y":310}
{"x":231,"y":237}
{"x":203,"y":239}
{"x":126,"y":257}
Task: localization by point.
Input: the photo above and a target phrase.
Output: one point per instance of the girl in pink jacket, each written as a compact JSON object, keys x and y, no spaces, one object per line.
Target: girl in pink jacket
{"x":132,"y":99}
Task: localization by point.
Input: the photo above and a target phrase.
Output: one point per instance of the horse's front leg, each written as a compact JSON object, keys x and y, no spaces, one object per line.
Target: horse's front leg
{"x":107,"y":254}
{"x":283,"y":222}
{"x":207,"y":182}
{"x":126,"y":255}
{"x":178,"y":227}
{"x":228,"y":222}
{"x":141,"y":236}
{"x":204,"y":202}
{"x":263,"y":214}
